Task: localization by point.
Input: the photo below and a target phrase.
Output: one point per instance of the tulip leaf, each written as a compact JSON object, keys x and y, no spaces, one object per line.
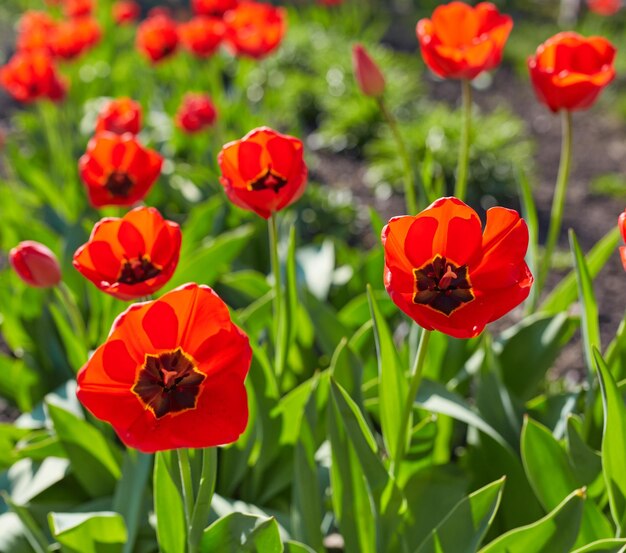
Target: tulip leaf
{"x":99,"y":532}
{"x":168,"y":503}
{"x":554,"y":533}
{"x":239,"y":532}
{"x":466,"y":525}
{"x":529,"y":212}
{"x":613,"y":443}
{"x":36,"y":539}
{"x":612,"y":545}
{"x":552,"y":479}
{"x":393,"y":388}
{"x":294,"y":547}
{"x":564,"y":294}
{"x":13,"y":537}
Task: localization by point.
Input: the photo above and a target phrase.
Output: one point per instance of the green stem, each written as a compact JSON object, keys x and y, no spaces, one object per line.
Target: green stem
{"x":416,"y":378}
{"x":187,"y":490}
{"x":76,"y":319}
{"x":409,"y":181}
{"x":205,"y":495}
{"x":464,"y":147}
{"x":558,"y":202}
{"x":273,"y":236}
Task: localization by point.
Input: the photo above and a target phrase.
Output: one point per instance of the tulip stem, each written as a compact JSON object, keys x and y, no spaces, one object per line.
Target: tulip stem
{"x":416,"y":379}
{"x":202,"y":506}
{"x":558,"y":202}
{"x":273,"y":234}
{"x":462,"y":167}
{"x":187,"y":491}
{"x":76,"y":319}
{"x":409,"y":180}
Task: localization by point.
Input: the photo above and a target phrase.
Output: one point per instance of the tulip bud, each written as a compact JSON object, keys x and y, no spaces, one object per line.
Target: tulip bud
{"x":368,"y":75}
{"x":35,"y":264}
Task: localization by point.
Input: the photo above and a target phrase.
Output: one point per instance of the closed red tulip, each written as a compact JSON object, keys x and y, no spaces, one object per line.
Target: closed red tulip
{"x":461,"y":41}
{"x":213,"y":7}
{"x":447,"y":274}
{"x":157,"y":37}
{"x":254,"y":30}
{"x":35,"y":264}
{"x":621,"y":223}
{"x":368,"y":75}
{"x":171,"y":373}
{"x":75,"y":36}
{"x":118,"y":170}
{"x":604,"y":7}
{"x":131,"y":257}
{"x":30,"y":76}
{"x":125,"y":12}
{"x":196,"y":113}
{"x":569,"y":71}
{"x":202,"y":35}
{"x":78,"y":8}
{"x":263,"y":172}
{"x":120,"y":115}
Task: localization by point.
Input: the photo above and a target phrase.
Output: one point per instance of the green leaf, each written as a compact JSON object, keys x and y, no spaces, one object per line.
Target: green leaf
{"x":13,"y":535}
{"x":239,"y":532}
{"x":554,"y":533}
{"x":287,"y":326}
{"x":76,"y":351}
{"x":590,"y":327}
{"x":529,"y":212}
{"x":393,"y":388}
{"x":613,"y":443}
{"x":586,"y":461}
{"x":466,"y":525}
{"x":613,"y":545}
{"x":565,"y":293}
{"x":527,"y":350}
{"x":95,"y":462}
{"x":32,"y":532}
{"x":294,"y":547}
{"x":357,"y":311}
{"x":168,"y":503}
{"x":100,"y":532}
{"x":552,"y":479}
{"x":208,"y":261}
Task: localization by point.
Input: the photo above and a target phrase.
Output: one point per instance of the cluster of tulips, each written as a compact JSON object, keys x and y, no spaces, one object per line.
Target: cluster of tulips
{"x":171,"y":373}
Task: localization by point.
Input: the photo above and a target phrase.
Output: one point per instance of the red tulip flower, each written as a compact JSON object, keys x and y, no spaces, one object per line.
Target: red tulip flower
{"x":569,"y":71}
{"x":447,"y":275}
{"x":461,"y":41}
{"x":33,"y":31}
{"x":73,"y":37}
{"x":213,"y":7}
{"x":254,"y":29}
{"x":125,"y":12}
{"x":35,"y":264}
{"x":30,"y":76}
{"x":196,"y":113}
{"x":202,"y":35}
{"x":604,"y":7}
{"x":78,"y":8}
{"x":368,"y":75}
{"x":120,"y":116}
{"x":131,"y":257}
{"x":157,"y":37}
{"x":171,"y":373}
{"x":621,"y":223}
{"x":264,"y":171}
{"x":118,"y":170}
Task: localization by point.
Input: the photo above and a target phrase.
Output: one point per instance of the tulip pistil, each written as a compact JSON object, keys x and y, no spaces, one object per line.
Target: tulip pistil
{"x":119,"y":184}
{"x":137,"y":270}
{"x":442,"y":285}
{"x":269,"y":180}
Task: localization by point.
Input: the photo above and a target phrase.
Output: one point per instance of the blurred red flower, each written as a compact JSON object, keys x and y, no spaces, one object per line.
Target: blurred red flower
{"x":264,"y":171}
{"x":254,"y":29}
{"x":195,"y":113}
{"x":131,"y":257}
{"x":117,"y":169}
{"x":171,"y":373}
{"x":368,"y":75}
{"x":202,"y":35}
{"x":120,"y":115}
{"x":212,"y":7}
{"x":72,"y":37}
{"x":125,"y":11}
{"x":30,"y":76}
{"x":621,"y":223}
{"x":604,"y":7}
{"x":444,"y":273}
{"x":78,"y":8}
{"x":569,"y":71}
{"x":461,"y":41}
{"x":33,"y":31}
{"x":157,"y":37}
{"x":35,"y":264}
